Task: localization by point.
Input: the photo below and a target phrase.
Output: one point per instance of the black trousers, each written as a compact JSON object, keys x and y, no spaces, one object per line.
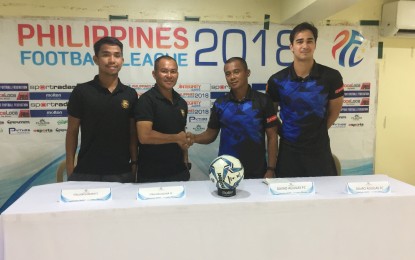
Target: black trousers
{"x":123,"y":177}
{"x":181,"y":176}
{"x":294,"y":163}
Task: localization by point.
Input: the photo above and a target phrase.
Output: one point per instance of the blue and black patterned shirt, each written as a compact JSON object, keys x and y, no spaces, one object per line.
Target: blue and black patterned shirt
{"x":243,"y":124}
{"x":303,"y":104}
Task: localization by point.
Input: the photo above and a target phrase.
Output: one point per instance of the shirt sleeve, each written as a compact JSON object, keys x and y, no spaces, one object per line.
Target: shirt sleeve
{"x":271,"y":118}
{"x":336,"y":85}
{"x":75,"y":107}
{"x":272,"y":90}
{"x":144,"y":109}
{"x":214,"y":119}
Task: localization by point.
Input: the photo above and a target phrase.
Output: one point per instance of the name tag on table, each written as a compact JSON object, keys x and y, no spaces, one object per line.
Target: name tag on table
{"x":368,"y":187}
{"x":161,"y":192}
{"x":281,"y":188}
{"x":69,"y":195}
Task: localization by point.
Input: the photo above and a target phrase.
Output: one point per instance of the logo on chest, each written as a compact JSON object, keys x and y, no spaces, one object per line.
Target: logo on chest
{"x":125,"y":104}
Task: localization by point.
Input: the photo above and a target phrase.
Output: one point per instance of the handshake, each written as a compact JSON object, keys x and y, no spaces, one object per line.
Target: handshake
{"x":185,"y":140}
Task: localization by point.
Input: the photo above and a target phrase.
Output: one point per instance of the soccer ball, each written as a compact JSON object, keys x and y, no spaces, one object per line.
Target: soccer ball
{"x":226,"y":172}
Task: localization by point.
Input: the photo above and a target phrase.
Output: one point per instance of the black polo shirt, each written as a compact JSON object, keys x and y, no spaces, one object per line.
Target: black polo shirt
{"x":105,"y":126}
{"x":243,"y":125}
{"x":161,"y":160}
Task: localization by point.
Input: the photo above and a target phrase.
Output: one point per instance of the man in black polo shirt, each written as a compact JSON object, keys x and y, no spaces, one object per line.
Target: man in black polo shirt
{"x":104,"y":111}
{"x":161,"y":115}
{"x":244,"y":116}
{"x":310,"y":98}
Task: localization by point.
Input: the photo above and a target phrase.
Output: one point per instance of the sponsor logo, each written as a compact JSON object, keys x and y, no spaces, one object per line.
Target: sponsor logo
{"x":272,"y":118}
{"x":199,"y":128}
{"x":53,"y":95}
{"x":11,"y":122}
{"x":62,"y":122}
{"x":14,"y":104}
{"x":193,"y":119}
{"x":7,"y":96}
{"x":17,"y":131}
{"x":356,"y":118}
{"x":356,"y":125}
{"x":194,"y":103}
{"x":346,"y":48}
{"x":191,"y":87}
{"x":341,"y":117}
{"x":197,"y":95}
{"x":51,"y":87}
{"x":351,"y":101}
{"x":24,"y":113}
{"x":23,"y":96}
{"x":42,"y":131}
{"x":339,"y":125}
{"x":54,"y":113}
{"x":1,"y":122}
{"x":365,"y":102}
{"x":42,"y":122}
{"x":9,"y":113}
{"x":365,"y":85}
{"x":48,"y":104}
{"x":219,"y":87}
{"x":60,"y":130}
{"x":199,"y":111}
{"x":339,"y":89}
{"x":13,"y":87}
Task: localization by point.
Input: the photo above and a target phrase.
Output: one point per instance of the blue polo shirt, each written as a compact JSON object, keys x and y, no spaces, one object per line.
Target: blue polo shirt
{"x":303,"y":104}
{"x":242,"y":125}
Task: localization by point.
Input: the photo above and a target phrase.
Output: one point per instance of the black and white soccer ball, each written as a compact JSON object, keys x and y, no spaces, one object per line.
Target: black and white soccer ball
{"x":226,"y":172}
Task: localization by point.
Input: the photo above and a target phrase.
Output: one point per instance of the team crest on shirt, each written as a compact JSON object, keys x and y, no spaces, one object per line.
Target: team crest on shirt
{"x":183,"y":112}
{"x":125,"y":104}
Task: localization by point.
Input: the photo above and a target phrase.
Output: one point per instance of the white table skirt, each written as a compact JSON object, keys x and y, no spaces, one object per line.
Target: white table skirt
{"x":254,"y":224}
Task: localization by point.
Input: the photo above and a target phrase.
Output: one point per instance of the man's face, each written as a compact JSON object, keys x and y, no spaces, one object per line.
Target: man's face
{"x":303,"y":46}
{"x":236,"y":75}
{"x":166,"y":74}
{"x":109,"y":59}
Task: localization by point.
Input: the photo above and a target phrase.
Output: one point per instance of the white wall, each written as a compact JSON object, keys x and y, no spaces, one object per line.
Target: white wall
{"x":395,"y":119}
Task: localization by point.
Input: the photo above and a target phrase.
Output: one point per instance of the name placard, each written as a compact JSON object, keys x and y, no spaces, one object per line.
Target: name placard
{"x":368,"y":187}
{"x":70,"y":195}
{"x":281,"y":188}
{"x":161,"y":192}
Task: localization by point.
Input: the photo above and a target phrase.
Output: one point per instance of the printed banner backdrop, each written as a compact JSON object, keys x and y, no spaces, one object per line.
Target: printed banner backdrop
{"x":43,"y":60}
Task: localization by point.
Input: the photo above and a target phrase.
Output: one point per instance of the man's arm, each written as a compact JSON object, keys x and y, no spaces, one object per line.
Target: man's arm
{"x":334,"y":108}
{"x":147,"y":135}
{"x":206,"y":137}
{"x":71,"y":143}
{"x":133,"y":146}
{"x":272,"y":148}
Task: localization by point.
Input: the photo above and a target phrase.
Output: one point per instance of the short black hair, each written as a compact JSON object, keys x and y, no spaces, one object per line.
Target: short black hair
{"x":107,"y":40}
{"x":157,"y":61}
{"x":302,"y":27}
{"x":241,"y":60}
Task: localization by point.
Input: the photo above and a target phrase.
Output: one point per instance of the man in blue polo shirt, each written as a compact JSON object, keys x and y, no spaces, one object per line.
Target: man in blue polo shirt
{"x":244,"y":116}
{"x":310,"y":97}
{"x":103,"y":109}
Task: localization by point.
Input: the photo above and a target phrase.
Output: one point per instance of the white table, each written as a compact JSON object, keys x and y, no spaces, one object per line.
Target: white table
{"x":254,"y":224}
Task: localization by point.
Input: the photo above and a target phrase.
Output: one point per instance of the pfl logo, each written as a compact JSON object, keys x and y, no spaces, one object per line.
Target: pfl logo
{"x":346,"y":48}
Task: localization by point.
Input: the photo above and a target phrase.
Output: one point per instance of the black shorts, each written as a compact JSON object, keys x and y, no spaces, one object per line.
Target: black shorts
{"x":294,"y":163}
